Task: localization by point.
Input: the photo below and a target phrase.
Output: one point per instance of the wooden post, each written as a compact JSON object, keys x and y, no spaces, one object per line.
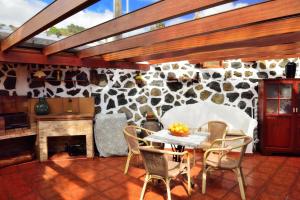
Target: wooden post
{"x":117,"y":13}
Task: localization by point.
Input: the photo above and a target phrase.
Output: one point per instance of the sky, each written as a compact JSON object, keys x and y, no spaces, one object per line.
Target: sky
{"x":17,"y":12}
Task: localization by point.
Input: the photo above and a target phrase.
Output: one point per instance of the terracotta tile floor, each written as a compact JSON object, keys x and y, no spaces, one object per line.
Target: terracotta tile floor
{"x":268,"y":178}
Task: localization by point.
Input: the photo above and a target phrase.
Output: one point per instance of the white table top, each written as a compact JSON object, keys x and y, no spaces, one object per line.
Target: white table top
{"x":193,"y":140}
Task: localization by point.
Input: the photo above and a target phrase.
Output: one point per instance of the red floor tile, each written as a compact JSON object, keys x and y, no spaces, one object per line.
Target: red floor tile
{"x":30,"y":196}
{"x":116,"y":193}
{"x":251,"y":192}
{"x":267,"y":196}
{"x":104,"y":184}
{"x":268,"y":178}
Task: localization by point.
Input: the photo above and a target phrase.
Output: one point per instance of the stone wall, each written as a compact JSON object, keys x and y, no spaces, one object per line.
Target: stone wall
{"x":115,"y":90}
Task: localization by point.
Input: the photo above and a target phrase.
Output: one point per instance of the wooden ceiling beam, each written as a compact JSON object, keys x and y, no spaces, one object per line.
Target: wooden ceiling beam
{"x":27,"y":56}
{"x":243,"y":16}
{"x":257,"y":42}
{"x":253,"y":57}
{"x":160,"y":11}
{"x":270,"y":57}
{"x":247,"y":33}
{"x":52,"y":14}
{"x":235,"y":52}
{"x":281,"y":54}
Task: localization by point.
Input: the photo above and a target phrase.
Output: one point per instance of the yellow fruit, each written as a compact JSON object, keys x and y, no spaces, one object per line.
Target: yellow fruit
{"x":179,"y":129}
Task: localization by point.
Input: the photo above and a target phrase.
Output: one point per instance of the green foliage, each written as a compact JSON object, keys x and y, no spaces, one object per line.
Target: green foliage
{"x":157,"y":26}
{"x":54,"y":31}
{"x":68,"y":31}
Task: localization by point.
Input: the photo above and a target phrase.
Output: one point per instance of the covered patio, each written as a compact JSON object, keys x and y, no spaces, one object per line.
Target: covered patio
{"x":79,"y":101}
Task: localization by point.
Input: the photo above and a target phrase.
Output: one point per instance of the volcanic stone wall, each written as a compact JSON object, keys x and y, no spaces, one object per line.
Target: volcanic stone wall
{"x":164,"y":86}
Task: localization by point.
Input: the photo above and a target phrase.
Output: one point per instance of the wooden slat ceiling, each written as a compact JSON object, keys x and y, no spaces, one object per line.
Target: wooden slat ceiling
{"x":266,"y":30}
{"x":277,"y":27}
{"x":239,"y":17}
{"x":160,"y":11}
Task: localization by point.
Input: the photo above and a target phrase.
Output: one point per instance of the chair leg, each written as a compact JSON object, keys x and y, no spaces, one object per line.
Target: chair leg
{"x":204,"y":180}
{"x":168,"y":189}
{"x":144,"y":187}
{"x":127,"y":162}
{"x":240,"y":181}
{"x":194,"y":160}
{"x":189,"y":183}
{"x":189,"y":175}
{"x":243,"y":176}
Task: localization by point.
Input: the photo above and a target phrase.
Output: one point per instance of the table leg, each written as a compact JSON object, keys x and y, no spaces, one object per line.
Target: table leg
{"x":178,"y":148}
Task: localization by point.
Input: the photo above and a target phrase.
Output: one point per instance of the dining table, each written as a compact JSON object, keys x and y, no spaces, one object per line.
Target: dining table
{"x":179,"y":143}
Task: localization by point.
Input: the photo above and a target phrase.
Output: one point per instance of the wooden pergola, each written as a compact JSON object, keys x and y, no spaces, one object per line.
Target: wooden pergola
{"x":262,"y":31}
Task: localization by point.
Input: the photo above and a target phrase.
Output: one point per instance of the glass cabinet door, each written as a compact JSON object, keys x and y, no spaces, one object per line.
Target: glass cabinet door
{"x":285,"y":98}
{"x":279,"y":98}
{"x":272,"y":95}
{"x":298,"y":99}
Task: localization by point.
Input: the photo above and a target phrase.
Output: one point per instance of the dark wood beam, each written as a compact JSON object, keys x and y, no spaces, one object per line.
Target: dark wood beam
{"x":52,"y":14}
{"x":257,"y":42}
{"x":233,"y":53}
{"x":27,"y":56}
{"x":243,"y":16}
{"x":282,"y":54}
{"x":247,"y":33}
{"x":270,"y":57}
{"x":254,"y":57}
{"x":160,"y":11}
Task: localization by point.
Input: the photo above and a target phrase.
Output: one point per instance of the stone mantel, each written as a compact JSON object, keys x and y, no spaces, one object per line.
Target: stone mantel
{"x":64,"y":117}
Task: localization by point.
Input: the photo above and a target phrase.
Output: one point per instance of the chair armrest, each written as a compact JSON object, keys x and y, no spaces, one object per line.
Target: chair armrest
{"x":224,"y":149}
{"x":139,"y":139}
{"x":166,"y":151}
{"x":235,"y":133}
{"x":227,"y":139}
{"x":147,"y":131}
{"x":173,"y":153}
{"x":217,"y":150}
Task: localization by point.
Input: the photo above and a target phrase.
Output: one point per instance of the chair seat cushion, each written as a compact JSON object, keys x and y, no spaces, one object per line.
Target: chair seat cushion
{"x":176,"y":168}
{"x":226,"y":162}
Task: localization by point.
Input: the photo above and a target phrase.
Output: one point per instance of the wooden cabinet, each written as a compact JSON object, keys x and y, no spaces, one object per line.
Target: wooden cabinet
{"x":279,"y":116}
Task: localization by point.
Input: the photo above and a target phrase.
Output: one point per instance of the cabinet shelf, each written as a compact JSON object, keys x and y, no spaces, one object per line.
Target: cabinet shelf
{"x":16,"y":133}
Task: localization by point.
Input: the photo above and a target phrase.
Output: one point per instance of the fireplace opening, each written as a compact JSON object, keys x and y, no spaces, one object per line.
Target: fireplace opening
{"x":66,"y":146}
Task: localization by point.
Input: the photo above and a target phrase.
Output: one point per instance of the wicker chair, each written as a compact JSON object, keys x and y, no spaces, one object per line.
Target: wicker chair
{"x":159,"y":166}
{"x":134,"y":142}
{"x":216,"y":129}
{"x":218,"y":157}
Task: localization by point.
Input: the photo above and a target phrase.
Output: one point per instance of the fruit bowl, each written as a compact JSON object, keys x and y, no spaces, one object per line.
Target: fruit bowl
{"x":179,"y":129}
